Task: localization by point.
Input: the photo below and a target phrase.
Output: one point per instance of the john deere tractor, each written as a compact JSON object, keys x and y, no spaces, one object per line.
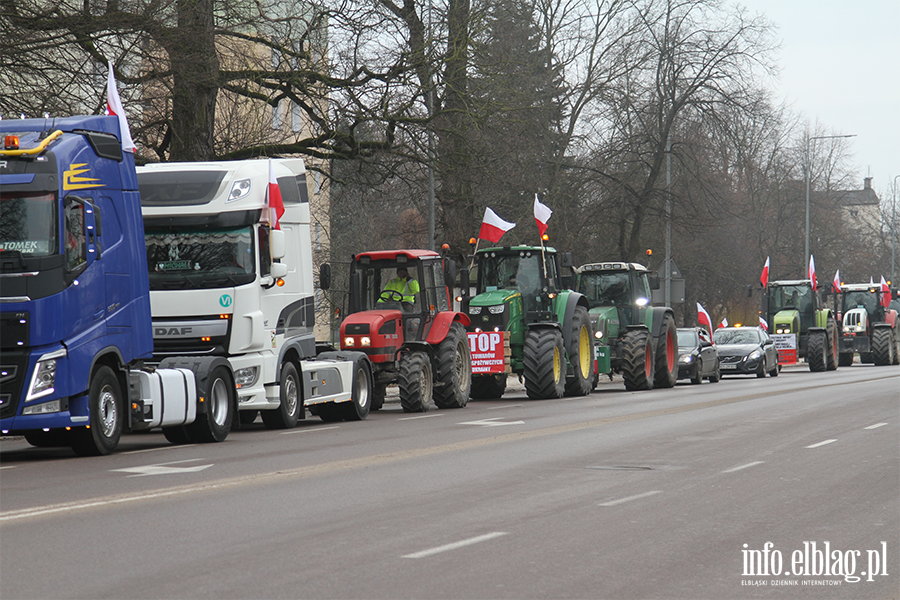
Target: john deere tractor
{"x":803,"y":326}
{"x":635,"y":339}
{"x":545,"y":328}
{"x":868,"y":327}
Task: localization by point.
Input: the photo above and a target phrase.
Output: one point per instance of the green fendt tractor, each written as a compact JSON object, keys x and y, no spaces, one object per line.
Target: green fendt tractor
{"x":803,"y":326}
{"x":636,"y":339}
{"x":519,"y":299}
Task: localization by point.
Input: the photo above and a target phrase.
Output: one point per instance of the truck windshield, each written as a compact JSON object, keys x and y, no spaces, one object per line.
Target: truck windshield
{"x":796,"y":297}
{"x":606,"y":289}
{"x":29,"y":224}
{"x":200,"y":259}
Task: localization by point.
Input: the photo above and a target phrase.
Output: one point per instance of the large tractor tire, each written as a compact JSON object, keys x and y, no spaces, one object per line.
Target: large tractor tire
{"x":453,"y":379}
{"x":834,"y":344}
{"x":882,"y":346}
{"x":895,"y":334}
{"x":817,"y":351}
{"x":290,"y":398}
{"x":544,"y":364}
{"x":581,"y":354}
{"x":845,"y":359}
{"x":666,"y":355}
{"x":416,"y":382}
{"x":637,"y":359}
{"x":107,"y":416}
{"x":485,"y":387}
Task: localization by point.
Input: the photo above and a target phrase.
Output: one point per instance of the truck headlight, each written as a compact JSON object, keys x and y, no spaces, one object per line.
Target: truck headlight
{"x":43,"y":380}
{"x":246,"y":377}
{"x":239,"y":189}
{"x":497,"y":310}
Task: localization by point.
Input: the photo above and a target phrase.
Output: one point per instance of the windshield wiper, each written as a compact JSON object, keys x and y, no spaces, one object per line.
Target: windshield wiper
{"x":15,"y":253}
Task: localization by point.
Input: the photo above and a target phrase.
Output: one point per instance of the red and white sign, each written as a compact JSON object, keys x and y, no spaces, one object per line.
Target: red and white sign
{"x":488,"y":352}
{"x":786,"y":344}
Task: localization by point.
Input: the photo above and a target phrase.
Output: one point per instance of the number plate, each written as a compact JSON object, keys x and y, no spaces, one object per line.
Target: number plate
{"x":728,"y":366}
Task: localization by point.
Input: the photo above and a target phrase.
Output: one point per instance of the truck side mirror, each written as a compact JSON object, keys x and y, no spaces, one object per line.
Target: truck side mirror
{"x":278,"y":270}
{"x":277,"y":243}
{"x":565,"y":259}
{"x":325,"y":276}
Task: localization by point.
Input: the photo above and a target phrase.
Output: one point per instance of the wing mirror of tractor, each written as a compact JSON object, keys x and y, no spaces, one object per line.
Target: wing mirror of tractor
{"x":450,"y":272}
{"x":565,"y":259}
{"x":653,"y":279}
{"x":325,"y":276}
{"x":276,"y":241}
{"x":464,"y":282}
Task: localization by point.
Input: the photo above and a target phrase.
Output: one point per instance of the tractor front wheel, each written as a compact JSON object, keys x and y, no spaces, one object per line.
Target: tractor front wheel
{"x":416,"y":382}
{"x":544,"y":364}
{"x":580,"y":351}
{"x":817,"y":351}
{"x":637,"y":356}
{"x":882,"y":346}
{"x":454,"y":369}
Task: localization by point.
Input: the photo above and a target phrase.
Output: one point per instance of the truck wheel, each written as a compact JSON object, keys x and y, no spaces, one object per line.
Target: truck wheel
{"x":831,"y":331}
{"x":107,"y":416}
{"x":816,"y":351}
{"x":379,"y":391}
{"x":637,"y":358}
{"x":357,"y":409}
{"x":581,"y":354}
{"x":845,"y":359}
{"x":288,"y":412}
{"x":218,"y":390}
{"x":416,"y":382}
{"x":545,"y":364}
{"x":454,"y":369}
{"x":882,"y":346}
{"x":485,"y":387}
{"x":666,"y":355}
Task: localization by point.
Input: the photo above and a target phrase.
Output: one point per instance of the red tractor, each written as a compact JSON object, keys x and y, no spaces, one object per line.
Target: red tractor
{"x":871,"y":327}
{"x":400,"y":315}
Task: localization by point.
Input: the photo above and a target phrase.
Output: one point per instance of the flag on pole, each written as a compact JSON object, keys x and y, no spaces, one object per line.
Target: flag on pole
{"x":493,"y":227}
{"x":114,"y":107}
{"x":703,"y":318}
{"x":273,"y":199}
{"x":764,"y":278}
{"x":763,"y":323}
{"x":811,"y":274}
{"x":542,"y":214}
{"x":885,"y":293}
{"x":837,"y":281}
{"x":724,"y":322}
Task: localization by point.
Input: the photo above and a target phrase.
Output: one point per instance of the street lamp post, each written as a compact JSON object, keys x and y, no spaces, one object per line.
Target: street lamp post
{"x":808,"y":140}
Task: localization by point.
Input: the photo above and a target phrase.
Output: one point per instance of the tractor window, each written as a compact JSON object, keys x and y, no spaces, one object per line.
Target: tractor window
{"x":859,"y":299}
{"x":795,"y":297}
{"x":606,"y":289}
{"x":391,"y":285}
{"x":440,"y":287}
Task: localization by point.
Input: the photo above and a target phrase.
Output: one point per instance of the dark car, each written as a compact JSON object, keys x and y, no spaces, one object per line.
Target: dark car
{"x":745,"y":351}
{"x":697,"y":358}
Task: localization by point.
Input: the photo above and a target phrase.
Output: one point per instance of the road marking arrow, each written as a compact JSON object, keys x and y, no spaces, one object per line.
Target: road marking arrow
{"x":492,"y":422}
{"x":162,"y":469}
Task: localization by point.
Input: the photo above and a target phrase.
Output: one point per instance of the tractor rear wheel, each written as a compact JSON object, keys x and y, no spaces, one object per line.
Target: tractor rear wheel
{"x":816,"y":351}
{"x":544,"y":364}
{"x":488,"y":386}
{"x":580,"y":351}
{"x":882,"y":346}
{"x":416,"y":382}
{"x":637,"y":358}
{"x":831,"y":330}
{"x":454,"y":369}
{"x":666,"y":355}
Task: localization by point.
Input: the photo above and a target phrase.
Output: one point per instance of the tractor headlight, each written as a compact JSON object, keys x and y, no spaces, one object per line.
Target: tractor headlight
{"x":497,"y":310}
{"x":474,"y":310}
{"x":43,"y":380}
{"x":349,"y":342}
{"x":365,"y":341}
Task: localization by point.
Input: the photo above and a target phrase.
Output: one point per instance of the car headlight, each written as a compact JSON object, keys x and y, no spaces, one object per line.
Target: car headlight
{"x":474,"y":310}
{"x":686,"y":359}
{"x":497,"y":310}
{"x":246,"y":377}
{"x":754,"y":355}
{"x":43,"y":380}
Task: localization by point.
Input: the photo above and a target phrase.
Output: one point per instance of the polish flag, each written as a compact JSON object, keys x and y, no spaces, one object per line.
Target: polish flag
{"x":811,"y":274}
{"x":837,"y":281}
{"x":703,"y":318}
{"x":724,"y":322}
{"x":763,"y":323}
{"x":885,"y":293}
{"x":276,"y":204}
{"x":493,"y":227}
{"x":542,"y":214}
{"x":764,"y":278}
{"x":114,"y":107}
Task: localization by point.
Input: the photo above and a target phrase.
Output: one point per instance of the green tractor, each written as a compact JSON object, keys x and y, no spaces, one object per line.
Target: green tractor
{"x":543,"y":330}
{"x":803,"y":326}
{"x":636,"y":339}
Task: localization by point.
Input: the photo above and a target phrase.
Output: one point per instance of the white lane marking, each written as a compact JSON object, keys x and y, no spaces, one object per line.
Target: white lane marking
{"x":492,"y":422}
{"x":821,"y":443}
{"x":422,"y":417}
{"x":308,"y":430}
{"x":9,"y":467}
{"x":171,"y":447}
{"x":504,"y":406}
{"x":875,"y":426}
{"x":630,"y":498}
{"x":747,"y":466}
{"x":456,"y":545}
{"x":162,"y":469}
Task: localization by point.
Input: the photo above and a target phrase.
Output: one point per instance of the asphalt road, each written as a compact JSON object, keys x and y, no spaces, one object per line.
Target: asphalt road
{"x":660,"y":494}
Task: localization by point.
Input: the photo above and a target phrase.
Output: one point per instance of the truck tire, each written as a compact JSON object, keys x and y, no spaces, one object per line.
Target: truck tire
{"x":817,"y":351}
{"x":379,"y":391}
{"x":831,"y":330}
{"x":666,"y":359}
{"x":544,"y":364}
{"x":580,"y":353}
{"x":105,"y":402}
{"x":882,"y":346}
{"x":218,"y":389}
{"x":453,"y":379}
{"x":357,"y":409}
{"x":290,"y":400}
{"x":416,"y":382}
{"x":637,"y":359}
{"x":486,"y":387}
{"x":845,"y":359}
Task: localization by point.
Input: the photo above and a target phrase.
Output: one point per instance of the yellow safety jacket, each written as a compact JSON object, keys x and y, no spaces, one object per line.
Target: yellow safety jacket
{"x":407,"y":287}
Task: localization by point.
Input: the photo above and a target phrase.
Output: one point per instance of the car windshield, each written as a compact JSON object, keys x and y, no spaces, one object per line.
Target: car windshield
{"x":200,"y":259}
{"x":28,"y":224}
{"x":736,"y":336}
{"x":687,"y":339}
{"x":606,"y":289}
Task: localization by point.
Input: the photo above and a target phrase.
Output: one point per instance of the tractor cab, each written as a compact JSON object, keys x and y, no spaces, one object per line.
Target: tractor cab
{"x":618,"y":294}
{"x":792,"y":306}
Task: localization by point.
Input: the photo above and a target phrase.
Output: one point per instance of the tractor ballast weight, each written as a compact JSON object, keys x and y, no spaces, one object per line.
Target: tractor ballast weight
{"x":801,"y":324}
{"x":868,"y":328}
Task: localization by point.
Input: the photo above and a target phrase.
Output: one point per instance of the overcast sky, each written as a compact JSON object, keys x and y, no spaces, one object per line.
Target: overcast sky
{"x":840,"y":66}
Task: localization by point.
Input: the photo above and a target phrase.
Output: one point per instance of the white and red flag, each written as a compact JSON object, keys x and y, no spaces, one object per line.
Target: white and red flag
{"x":811,"y":273}
{"x":493,"y":227}
{"x":885,"y":293}
{"x":837,"y":281}
{"x":273,"y":199}
{"x":703,"y":318}
{"x":764,"y":278}
{"x":724,"y":322}
{"x":114,"y":107}
{"x":542,"y":214}
{"x":763,"y":323}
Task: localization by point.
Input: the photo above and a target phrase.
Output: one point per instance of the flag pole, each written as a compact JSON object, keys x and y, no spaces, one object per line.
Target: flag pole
{"x":472,"y":262}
